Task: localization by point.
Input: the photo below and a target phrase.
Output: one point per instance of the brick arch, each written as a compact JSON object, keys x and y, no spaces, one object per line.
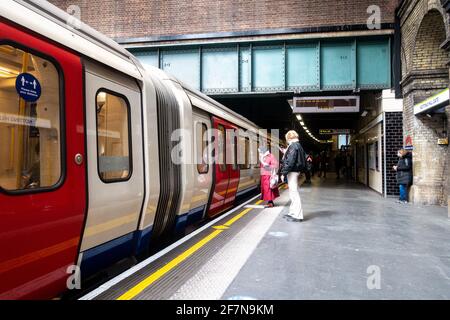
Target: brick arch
{"x":432,"y":32}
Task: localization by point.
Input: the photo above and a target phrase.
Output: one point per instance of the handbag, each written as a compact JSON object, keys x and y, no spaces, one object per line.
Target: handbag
{"x":274,"y":179}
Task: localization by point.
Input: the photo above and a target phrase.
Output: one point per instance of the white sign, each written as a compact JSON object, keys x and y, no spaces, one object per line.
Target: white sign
{"x":432,"y":102}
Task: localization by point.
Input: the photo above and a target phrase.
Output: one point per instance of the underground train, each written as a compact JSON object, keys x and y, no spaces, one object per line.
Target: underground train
{"x":87,"y":170}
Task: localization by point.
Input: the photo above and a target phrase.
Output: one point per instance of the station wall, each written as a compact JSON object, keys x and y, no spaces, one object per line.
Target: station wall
{"x":425,"y":33}
{"x":141,"y":18}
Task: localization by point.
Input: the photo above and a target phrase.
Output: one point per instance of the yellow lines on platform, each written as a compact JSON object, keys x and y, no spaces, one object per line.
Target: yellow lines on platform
{"x":144,"y":284}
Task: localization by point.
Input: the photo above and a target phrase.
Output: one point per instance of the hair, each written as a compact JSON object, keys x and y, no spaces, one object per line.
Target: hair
{"x":403,"y":152}
{"x":291,"y":135}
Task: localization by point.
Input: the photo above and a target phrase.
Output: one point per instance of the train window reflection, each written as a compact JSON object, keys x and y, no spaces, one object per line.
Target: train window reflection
{"x":30,"y":145}
{"x":113,"y":143}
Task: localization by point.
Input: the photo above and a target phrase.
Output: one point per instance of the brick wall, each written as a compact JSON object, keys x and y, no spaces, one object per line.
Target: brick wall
{"x":394,"y":141}
{"x":143,"y":18}
{"x":424,"y":27}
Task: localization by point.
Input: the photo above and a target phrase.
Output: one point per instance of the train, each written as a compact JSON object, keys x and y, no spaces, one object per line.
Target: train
{"x":88,"y":138}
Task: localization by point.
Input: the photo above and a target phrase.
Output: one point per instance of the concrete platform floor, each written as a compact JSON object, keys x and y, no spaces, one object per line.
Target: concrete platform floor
{"x":351,"y":236}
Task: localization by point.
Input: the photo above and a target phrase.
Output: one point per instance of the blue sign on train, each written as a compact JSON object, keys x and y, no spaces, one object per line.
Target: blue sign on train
{"x":28,"y":87}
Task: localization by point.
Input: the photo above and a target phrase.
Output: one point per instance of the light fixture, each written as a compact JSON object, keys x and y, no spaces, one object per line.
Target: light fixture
{"x":299,"y":117}
{"x":8,"y":73}
{"x":364,"y":113}
{"x":302,"y":123}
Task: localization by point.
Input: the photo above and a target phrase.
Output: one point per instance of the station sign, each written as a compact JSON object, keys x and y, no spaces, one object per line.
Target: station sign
{"x":326,"y":104}
{"x":432,"y":103}
{"x":334,"y":131}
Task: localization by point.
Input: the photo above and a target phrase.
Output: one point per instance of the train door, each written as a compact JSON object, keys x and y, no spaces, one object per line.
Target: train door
{"x":42,"y":164}
{"x":115,"y":166}
{"x":226,"y":171}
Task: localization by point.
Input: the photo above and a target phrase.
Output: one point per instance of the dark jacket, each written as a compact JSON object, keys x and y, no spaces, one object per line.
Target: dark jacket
{"x":294,"y":160}
{"x":404,"y":170}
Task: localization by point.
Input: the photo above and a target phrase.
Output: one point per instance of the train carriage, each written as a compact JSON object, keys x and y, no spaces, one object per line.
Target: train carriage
{"x":87,"y":144}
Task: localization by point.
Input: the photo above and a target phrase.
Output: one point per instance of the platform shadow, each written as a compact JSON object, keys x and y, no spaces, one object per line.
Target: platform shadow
{"x":311,"y":215}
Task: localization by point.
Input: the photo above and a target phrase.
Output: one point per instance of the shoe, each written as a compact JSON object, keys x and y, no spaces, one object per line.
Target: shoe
{"x":286,"y":216}
{"x":290,"y":219}
{"x":404,"y":202}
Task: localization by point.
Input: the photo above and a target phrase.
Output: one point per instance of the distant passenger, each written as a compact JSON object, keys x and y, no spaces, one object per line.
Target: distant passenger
{"x":269,"y":176}
{"x":338,"y":165}
{"x":323,"y":164}
{"x":349,"y":165}
{"x":309,"y":168}
{"x":404,"y":173}
{"x":293,"y":164}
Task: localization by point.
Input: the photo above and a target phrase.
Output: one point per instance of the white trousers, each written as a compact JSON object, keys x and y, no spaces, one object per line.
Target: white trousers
{"x":295,"y":210}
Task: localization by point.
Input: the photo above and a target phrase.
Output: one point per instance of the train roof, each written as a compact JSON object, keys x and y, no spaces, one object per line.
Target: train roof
{"x":46,"y":19}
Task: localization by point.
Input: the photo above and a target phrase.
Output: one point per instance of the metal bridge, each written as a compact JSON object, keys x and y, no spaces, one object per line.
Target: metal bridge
{"x":272,"y":67}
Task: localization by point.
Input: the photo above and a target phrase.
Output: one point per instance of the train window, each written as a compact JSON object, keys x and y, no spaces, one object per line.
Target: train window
{"x":246,"y":165}
{"x":235,"y":152}
{"x":113,"y":142}
{"x":257,"y":154}
{"x":30,"y":133}
{"x":222,"y":153}
{"x":202,"y":131}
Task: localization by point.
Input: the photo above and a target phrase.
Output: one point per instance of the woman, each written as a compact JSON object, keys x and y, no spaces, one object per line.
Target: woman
{"x":269,"y":167}
{"x":294,"y":162}
{"x":404,"y":173}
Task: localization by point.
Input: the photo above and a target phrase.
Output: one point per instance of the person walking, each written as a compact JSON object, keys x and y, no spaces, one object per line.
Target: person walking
{"x":293,"y":164}
{"x":404,"y":173}
{"x":269,"y":170}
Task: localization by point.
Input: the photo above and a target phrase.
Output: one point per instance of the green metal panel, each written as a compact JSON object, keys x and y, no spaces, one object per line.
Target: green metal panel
{"x":148,"y":57}
{"x":183,"y":64}
{"x":373,"y":64}
{"x":303,"y":67}
{"x":306,"y":66}
{"x":336,"y":65}
{"x":245,"y":69}
{"x":268,"y":68}
{"x":220,"y":70}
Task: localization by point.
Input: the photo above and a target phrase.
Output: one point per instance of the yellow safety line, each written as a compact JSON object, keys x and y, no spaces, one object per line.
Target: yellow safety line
{"x":141,"y":286}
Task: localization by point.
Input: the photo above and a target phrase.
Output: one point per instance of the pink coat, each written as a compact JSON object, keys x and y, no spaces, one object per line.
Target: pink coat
{"x":268,"y":194}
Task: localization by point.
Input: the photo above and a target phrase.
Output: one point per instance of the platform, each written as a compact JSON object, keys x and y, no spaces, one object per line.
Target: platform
{"x":253,"y":253}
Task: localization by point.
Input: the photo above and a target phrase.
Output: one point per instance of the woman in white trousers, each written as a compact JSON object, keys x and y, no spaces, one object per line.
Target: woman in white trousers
{"x":294,"y":162}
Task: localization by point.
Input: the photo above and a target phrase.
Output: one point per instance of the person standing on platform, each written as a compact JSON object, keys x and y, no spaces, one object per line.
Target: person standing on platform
{"x":338,"y":165}
{"x":404,"y":174}
{"x":293,"y":164}
{"x":269,"y":171}
{"x":309,"y":168}
{"x":323,"y":164}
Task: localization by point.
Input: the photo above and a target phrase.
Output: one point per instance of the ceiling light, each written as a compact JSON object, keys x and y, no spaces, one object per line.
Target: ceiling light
{"x":299,"y":117}
{"x":364,"y":113}
{"x":302,"y":123}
